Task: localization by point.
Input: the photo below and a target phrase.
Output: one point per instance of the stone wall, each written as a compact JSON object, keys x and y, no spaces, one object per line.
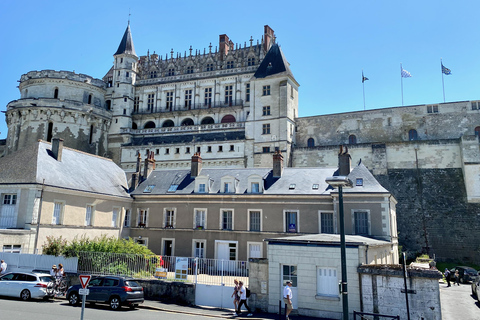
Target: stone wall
{"x":381,"y":288}
{"x":167,"y":291}
{"x":258,"y":284}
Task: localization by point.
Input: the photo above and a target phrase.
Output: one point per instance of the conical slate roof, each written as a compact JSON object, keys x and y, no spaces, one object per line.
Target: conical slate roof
{"x":273,"y":63}
{"x":126,"y":45}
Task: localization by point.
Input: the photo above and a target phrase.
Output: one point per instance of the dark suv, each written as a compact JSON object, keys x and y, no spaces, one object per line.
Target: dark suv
{"x":466,"y":274}
{"x":116,"y":291}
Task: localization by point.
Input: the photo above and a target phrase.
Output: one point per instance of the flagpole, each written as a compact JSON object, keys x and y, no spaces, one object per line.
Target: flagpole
{"x":443,"y":84}
{"x":363,"y":84}
{"x":401,"y":81}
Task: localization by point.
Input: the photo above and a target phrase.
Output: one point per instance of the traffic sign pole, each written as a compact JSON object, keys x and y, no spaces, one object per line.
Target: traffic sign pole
{"x":83,"y":306}
{"x":84,"y":280}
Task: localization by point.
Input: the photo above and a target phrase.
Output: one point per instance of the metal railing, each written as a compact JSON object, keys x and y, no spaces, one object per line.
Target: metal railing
{"x":192,"y":106}
{"x":195,"y":270}
{"x":197,"y":127}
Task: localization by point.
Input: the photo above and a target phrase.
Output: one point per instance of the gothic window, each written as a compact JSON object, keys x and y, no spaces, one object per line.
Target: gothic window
{"x":90,"y":139}
{"x":50,"y":132}
{"x":266,"y":90}
{"x":412,"y":135}
{"x":251,"y":61}
{"x":352,"y":139}
{"x":171,"y":72}
{"x":150,"y":101}
{"x":247,"y":92}
{"x":310,"y":142}
{"x":149,"y":125}
{"x":266,"y":110}
{"x":188,"y":98}
{"x":168,"y":123}
{"x":136,"y":102}
{"x":187,"y":122}
{"x":134,"y":126}
{"x":169,"y":100}
{"x":228,"y":118}
{"x":209,"y":67}
{"x":208,"y":97}
{"x":207,"y":120}
{"x":266,"y":128}
{"x":189,"y":69}
{"x":89,"y":99}
{"x":55,"y":93}
{"x":153,"y":74}
{"x":228,"y":95}
{"x":229,"y":64}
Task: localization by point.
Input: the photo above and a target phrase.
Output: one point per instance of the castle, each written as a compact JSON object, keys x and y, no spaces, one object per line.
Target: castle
{"x":236,"y":104}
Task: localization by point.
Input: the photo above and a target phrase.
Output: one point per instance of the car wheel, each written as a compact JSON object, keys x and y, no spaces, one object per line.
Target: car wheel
{"x":73,"y":299}
{"x":114,"y":303}
{"x":462,"y":281}
{"x":25,"y":295}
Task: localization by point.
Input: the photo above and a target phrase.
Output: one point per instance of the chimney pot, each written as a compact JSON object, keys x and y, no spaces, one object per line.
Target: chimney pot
{"x":196,"y":165}
{"x":344,"y":161}
{"x":277,"y":164}
{"x":57,"y":148}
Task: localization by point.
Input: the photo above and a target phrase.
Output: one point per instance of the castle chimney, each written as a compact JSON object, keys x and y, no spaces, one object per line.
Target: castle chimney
{"x":196,"y":165}
{"x":57,"y":148}
{"x":344,"y":161}
{"x":149,"y":165}
{"x":277,"y":164}
{"x":224,"y":45}
{"x":134,"y":182}
{"x":268,"y":38}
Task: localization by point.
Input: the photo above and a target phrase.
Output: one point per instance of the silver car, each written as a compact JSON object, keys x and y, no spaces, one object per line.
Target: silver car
{"x":25,"y":285}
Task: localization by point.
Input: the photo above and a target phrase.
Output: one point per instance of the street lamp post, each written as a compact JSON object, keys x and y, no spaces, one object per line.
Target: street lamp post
{"x":340,"y":182}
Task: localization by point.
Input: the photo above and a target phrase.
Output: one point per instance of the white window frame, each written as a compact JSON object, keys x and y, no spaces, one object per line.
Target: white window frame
{"x":255,"y":243}
{"x":12,"y":248}
{"x":116,"y":217}
{"x":174,"y":222}
{"x":199,"y":180}
{"x":89,"y":221}
{"x":195,"y":210}
{"x":261,"y":219}
{"x":128,"y":218}
{"x":331,"y":284}
{"x":285,"y":220}
{"x":221,"y":218}
{"x":60,"y":214}
{"x":173,"y":245}
{"x":231,"y":182}
{"x":320,"y":220}
{"x":255,"y":178}
{"x":368,"y":217}
{"x":229,"y":242}
{"x":194,"y":242}
{"x":139,"y":210}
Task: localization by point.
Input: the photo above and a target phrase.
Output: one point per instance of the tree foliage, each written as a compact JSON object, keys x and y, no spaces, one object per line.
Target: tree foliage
{"x":59,"y":246}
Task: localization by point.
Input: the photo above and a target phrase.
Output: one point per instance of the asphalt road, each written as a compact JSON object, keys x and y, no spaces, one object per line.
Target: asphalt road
{"x":458,"y":303}
{"x":59,"y":309}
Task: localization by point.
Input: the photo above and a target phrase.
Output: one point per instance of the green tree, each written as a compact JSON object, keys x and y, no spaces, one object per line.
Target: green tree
{"x":54,"y":246}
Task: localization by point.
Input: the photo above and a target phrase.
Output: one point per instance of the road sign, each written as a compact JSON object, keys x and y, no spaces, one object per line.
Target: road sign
{"x":84,"y":292}
{"x":84,"y":280}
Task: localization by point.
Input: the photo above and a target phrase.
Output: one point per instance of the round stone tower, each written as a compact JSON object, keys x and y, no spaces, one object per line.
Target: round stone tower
{"x":59,"y":104}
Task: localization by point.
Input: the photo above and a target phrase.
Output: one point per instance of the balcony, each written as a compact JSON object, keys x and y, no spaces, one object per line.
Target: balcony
{"x":195,"y":128}
{"x":192,"y":106}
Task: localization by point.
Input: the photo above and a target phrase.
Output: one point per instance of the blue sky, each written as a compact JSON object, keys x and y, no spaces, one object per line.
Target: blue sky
{"x":327,"y":43}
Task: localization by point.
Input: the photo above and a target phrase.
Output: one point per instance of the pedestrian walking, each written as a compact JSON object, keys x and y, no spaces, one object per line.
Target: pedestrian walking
{"x":447,"y":276}
{"x":287,"y":298}
{"x":236,"y":297}
{"x":3,"y":267}
{"x":243,"y":299}
{"x":457,"y":277}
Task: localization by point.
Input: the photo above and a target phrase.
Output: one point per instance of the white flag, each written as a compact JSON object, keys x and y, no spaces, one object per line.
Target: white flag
{"x":405,"y":74}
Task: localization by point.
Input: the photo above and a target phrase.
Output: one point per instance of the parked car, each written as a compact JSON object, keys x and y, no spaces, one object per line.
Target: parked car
{"x":466,"y":274}
{"x":476,"y":286}
{"x":116,"y":291}
{"x":25,"y":285}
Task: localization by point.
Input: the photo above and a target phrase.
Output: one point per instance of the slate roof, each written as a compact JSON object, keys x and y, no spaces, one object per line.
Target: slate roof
{"x":302,"y":178}
{"x":126,"y":45}
{"x":76,"y":171}
{"x":274,"y":63}
{"x":327,"y":239}
{"x":187,"y":138}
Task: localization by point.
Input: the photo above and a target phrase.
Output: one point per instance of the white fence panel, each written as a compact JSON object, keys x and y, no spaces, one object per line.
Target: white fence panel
{"x":214,"y":296}
{"x":27,"y":262}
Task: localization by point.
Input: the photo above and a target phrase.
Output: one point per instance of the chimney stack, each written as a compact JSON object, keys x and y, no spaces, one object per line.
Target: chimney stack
{"x":149,"y":165}
{"x":344,"y":161}
{"x":277,"y":164}
{"x":196,"y":165}
{"x":268,"y":37}
{"x":57,"y":148}
{"x":224,"y":45}
{"x":136,"y":176}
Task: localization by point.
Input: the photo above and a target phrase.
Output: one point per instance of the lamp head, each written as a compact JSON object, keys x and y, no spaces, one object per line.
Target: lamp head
{"x":339,"y":181}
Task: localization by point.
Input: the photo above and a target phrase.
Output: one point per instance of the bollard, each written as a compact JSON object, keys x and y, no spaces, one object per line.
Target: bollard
{"x":279,"y":309}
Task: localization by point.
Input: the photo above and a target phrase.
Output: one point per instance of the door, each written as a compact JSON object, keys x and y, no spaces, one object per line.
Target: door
{"x":95,"y":287}
{"x":5,"y":284}
{"x":226,"y":251}
{"x":168,"y":247}
{"x":289,"y":272}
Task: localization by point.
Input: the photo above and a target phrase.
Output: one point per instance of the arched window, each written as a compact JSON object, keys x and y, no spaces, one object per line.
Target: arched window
{"x":89,"y":99}
{"x":149,"y":125}
{"x":168,"y":123}
{"x":477,"y":131}
{"x":310,"y":142}
{"x":55,"y":93}
{"x":207,"y":120}
{"x":228,"y":118}
{"x":90,"y":139}
{"x":50,"y":132}
{"x":412,"y":135}
{"x":134,"y":126}
{"x":187,"y":122}
{"x":352,"y":139}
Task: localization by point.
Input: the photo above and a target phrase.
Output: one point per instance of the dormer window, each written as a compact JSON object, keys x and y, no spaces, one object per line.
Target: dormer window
{"x":315,"y":186}
{"x":227,"y":187}
{"x":255,"y":184}
{"x":255,"y":187}
{"x":201,"y":188}
{"x":229,"y":184}
{"x":149,"y":189}
{"x":203,"y":184}
{"x":173,"y":188}
{"x":292,"y":186}
{"x":359,"y":182}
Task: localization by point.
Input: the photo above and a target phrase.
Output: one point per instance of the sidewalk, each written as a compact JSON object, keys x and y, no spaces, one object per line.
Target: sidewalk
{"x":215,"y":312}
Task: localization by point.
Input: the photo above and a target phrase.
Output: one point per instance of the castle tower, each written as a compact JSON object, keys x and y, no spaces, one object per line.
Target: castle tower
{"x":121,"y":92}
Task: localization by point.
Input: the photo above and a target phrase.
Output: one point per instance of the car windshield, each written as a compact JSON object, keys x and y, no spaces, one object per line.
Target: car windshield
{"x":45,"y":278}
{"x":131,"y":283}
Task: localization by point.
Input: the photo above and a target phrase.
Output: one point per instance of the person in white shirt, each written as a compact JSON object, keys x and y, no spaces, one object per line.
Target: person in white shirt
{"x":243,"y":299}
{"x":53,"y":271}
{"x":3,"y":267}
{"x":287,"y":297}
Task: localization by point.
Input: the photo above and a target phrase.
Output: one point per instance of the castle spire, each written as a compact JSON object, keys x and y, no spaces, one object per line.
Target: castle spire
{"x":126,"y":45}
